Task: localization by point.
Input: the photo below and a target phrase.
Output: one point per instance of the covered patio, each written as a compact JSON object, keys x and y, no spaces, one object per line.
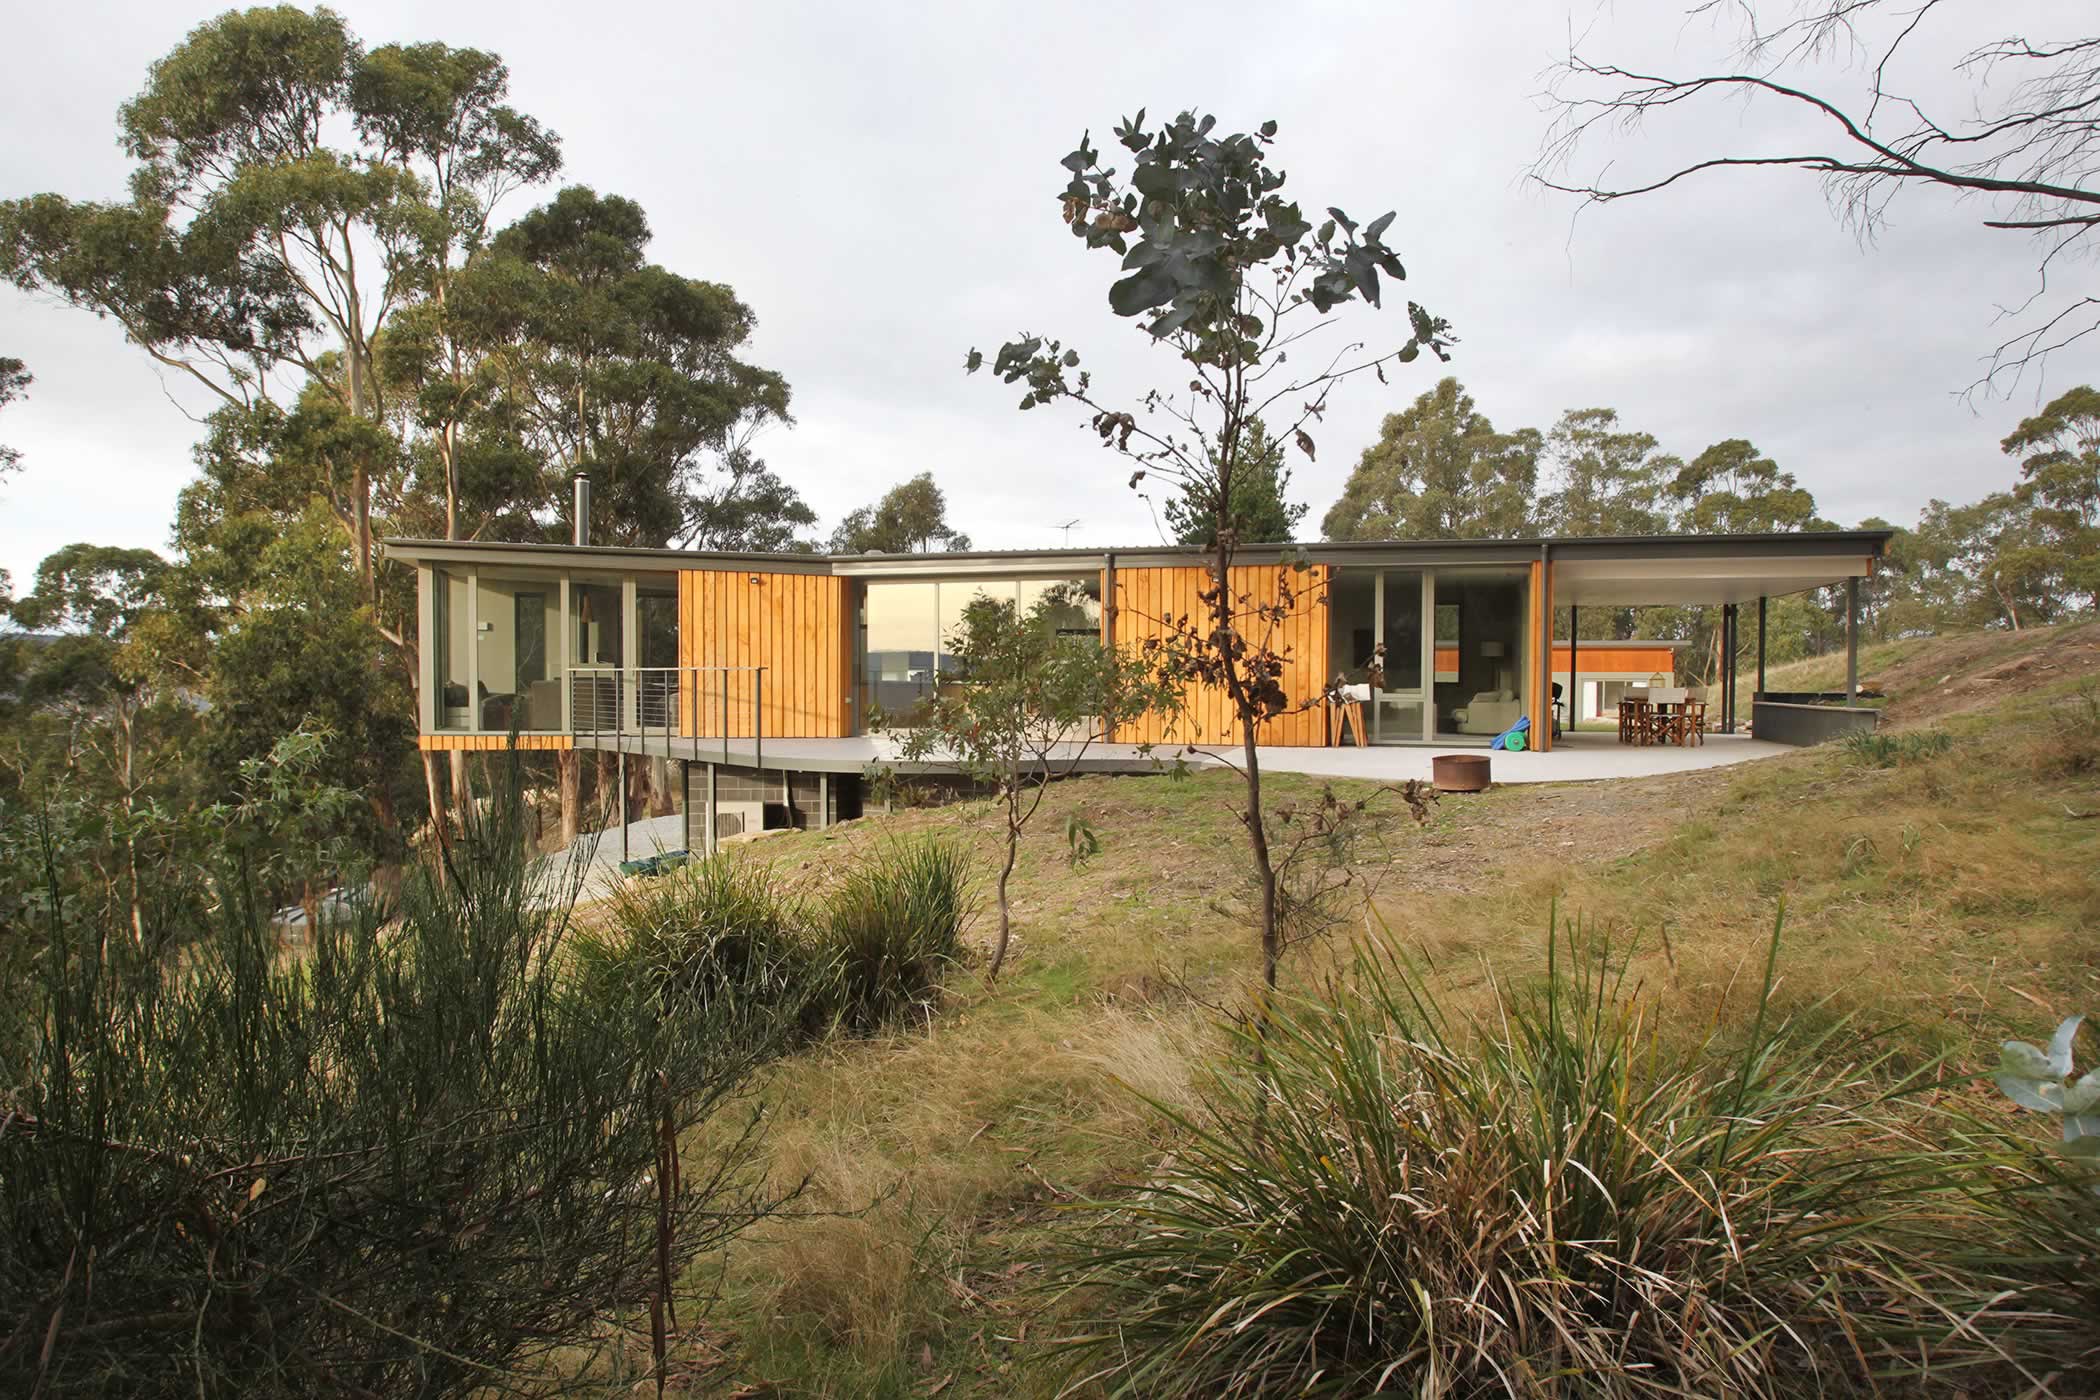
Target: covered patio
{"x":1738,"y":574}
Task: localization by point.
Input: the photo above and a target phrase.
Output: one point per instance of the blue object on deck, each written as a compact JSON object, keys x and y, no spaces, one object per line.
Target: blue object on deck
{"x":1515,"y":732}
{"x":663,"y":863}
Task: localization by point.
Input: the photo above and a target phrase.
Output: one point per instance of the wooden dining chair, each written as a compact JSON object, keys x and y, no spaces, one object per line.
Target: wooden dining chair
{"x":1666,"y":726}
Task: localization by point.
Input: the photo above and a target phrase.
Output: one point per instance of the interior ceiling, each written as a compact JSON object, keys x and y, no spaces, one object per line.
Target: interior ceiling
{"x":1625,"y":583}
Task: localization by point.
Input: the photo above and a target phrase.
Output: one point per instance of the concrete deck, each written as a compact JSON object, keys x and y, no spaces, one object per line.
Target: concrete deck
{"x":1576,"y":758}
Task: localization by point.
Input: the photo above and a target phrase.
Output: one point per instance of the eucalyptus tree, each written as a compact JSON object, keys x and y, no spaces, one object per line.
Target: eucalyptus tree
{"x":1230,"y":277}
{"x":2059,"y":451}
{"x":1607,"y":479}
{"x":1439,"y":470}
{"x":293,"y":194}
{"x":911,"y":517}
{"x":99,"y":679}
{"x":14,"y":382}
{"x":1731,"y":488}
{"x":614,"y":366}
{"x":1032,"y":694}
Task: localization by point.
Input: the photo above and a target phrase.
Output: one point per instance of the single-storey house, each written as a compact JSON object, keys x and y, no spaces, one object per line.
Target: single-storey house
{"x":763,"y":666}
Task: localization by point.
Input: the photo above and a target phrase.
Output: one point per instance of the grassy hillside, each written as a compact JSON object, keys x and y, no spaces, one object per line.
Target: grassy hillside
{"x":1952,"y":900}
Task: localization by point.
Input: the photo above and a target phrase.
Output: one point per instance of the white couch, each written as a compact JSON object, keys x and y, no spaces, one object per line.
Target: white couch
{"x":1489,"y":712}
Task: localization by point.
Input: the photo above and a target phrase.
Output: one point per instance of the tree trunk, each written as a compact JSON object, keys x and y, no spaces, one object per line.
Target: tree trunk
{"x":462,"y":794}
{"x":125,"y":723}
{"x":1264,"y":869}
{"x":1013,"y":846}
{"x":440,"y":832}
{"x":569,"y":776}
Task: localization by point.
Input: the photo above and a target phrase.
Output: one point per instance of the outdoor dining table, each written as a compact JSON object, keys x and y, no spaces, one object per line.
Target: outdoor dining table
{"x":1643,"y":721}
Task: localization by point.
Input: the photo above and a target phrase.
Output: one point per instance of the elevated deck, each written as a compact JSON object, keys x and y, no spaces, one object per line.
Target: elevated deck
{"x":1580,"y":757}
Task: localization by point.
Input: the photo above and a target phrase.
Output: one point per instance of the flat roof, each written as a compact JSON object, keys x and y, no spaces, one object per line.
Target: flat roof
{"x":1607,"y":570}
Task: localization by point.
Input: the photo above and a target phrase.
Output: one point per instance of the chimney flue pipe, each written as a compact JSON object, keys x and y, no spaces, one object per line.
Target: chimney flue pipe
{"x":581,"y":513}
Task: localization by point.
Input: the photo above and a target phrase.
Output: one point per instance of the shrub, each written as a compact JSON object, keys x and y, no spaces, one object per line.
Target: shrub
{"x":412,"y":1163}
{"x":892,"y":929}
{"x":2066,"y":741}
{"x":1374,"y":1199}
{"x":711,"y":936}
{"x":1879,"y":750}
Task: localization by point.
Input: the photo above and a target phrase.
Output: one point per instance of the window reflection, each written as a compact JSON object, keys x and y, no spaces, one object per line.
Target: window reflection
{"x":906,"y":628}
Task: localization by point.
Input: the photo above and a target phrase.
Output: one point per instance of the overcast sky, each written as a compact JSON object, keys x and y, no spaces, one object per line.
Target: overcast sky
{"x":878,"y":182}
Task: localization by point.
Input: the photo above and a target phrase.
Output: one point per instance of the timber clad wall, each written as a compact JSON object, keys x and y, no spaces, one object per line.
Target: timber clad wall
{"x":1145,"y":598}
{"x":798,"y":626}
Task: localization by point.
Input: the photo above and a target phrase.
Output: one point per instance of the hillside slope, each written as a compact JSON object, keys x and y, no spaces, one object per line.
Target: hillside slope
{"x":1950,"y":900}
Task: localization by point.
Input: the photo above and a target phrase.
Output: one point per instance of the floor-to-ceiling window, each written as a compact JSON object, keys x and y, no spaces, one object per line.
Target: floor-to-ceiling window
{"x":656,"y":647}
{"x":451,"y":662}
{"x":1479,"y":625}
{"x":1375,"y":642}
{"x":598,"y":646}
{"x":517,"y":634}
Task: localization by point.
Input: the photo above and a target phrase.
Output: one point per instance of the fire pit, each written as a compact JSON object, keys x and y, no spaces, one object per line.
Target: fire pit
{"x":1459,"y":772}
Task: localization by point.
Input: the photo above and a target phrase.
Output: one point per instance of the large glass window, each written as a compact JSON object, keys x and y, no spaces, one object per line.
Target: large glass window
{"x":900,"y":627}
{"x":906,"y":628}
{"x":453,"y":675}
{"x":956,"y":598}
{"x":656,"y":638}
{"x":594,"y":609}
{"x":596,"y":639}
{"x":517,"y":628}
{"x":1480,"y":623}
{"x":1076,"y":603}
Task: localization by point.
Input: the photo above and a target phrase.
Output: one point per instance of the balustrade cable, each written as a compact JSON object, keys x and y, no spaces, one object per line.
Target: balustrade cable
{"x":667,"y":704}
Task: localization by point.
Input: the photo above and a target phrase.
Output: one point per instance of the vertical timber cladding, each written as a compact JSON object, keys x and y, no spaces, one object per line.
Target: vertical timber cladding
{"x":1145,"y":598}
{"x":797,"y":626}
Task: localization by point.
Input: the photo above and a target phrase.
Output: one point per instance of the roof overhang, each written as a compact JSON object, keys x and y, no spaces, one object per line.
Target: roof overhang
{"x":1695,"y":580}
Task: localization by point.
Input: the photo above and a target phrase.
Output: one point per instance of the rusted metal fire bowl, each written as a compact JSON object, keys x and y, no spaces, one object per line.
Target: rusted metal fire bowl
{"x":1459,"y":772}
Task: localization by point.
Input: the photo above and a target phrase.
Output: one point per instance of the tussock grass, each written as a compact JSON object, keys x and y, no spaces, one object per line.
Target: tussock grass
{"x":894,"y":927}
{"x":1551,"y":1199}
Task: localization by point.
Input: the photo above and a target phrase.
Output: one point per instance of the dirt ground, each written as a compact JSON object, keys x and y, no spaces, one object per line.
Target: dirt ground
{"x":1960,"y":674}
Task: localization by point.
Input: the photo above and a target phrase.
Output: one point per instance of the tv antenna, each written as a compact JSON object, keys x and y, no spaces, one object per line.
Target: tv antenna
{"x":1067,"y":528}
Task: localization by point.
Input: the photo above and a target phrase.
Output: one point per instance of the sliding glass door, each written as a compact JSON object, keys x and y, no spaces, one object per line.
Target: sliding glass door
{"x":1379,"y":646}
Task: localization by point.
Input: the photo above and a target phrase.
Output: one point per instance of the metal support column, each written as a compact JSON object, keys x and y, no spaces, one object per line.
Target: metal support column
{"x":1734,"y":621}
{"x":622,"y":800}
{"x":1852,"y":640}
{"x":685,"y":802}
{"x":1574,"y":683}
{"x":1760,"y":650}
{"x":823,"y":800}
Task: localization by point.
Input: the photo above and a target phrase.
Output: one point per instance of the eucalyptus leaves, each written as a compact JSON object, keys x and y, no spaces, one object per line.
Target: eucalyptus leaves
{"x":2035,"y":1078}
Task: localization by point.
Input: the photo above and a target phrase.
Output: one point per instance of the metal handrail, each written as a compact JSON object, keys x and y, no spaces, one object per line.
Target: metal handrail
{"x":669,"y":702}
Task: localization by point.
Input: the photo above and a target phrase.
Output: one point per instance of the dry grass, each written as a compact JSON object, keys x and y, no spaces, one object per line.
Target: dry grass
{"x":1955,"y":898}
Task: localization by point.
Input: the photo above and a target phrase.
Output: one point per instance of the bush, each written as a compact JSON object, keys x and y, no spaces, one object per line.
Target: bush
{"x":2066,"y":740}
{"x":412,"y":1163}
{"x":893,"y":928}
{"x":1549,"y":1201}
{"x":711,"y":936}
{"x":1878,"y":750}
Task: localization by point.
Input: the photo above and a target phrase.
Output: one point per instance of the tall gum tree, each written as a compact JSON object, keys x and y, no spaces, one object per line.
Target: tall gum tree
{"x":295,"y":193}
{"x":1229,"y":276}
